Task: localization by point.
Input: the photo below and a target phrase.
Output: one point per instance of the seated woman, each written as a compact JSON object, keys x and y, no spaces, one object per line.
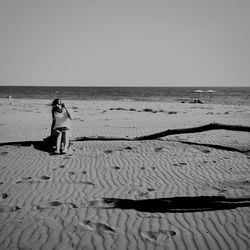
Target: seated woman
{"x":61,"y":125}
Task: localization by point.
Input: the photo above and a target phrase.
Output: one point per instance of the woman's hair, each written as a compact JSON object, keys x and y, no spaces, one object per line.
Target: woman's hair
{"x":55,"y":102}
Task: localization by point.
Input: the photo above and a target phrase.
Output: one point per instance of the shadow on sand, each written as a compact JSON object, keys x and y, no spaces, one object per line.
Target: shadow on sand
{"x":178,"y":204}
{"x":39,"y":145}
{"x":220,"y":147}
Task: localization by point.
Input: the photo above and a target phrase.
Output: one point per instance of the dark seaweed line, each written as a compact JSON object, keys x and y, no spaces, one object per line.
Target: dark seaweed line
{"x":211,"y":126}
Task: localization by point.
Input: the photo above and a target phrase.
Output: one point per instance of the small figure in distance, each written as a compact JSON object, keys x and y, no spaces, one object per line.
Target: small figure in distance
{"x":61,"y":126}
{"x":10,"y":98}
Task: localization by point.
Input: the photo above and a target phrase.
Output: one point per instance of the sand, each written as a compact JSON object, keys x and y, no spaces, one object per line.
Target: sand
{"x":185,"y":191}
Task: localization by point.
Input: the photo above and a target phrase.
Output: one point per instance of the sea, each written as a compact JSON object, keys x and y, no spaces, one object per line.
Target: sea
{"x":218,"y":95}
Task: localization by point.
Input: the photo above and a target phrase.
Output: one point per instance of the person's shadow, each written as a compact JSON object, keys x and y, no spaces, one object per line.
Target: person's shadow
{"x":46,"y":145}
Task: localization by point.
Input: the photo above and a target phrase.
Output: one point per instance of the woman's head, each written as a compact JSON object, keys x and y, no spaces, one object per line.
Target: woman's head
{"x":57,"y":105}
{"x":56,"y":102}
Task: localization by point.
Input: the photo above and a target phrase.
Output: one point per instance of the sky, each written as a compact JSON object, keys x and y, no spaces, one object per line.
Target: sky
{"x":125,"y":42}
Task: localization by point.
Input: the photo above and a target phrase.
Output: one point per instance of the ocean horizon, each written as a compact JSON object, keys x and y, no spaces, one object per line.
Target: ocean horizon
{"x":221,"y":95}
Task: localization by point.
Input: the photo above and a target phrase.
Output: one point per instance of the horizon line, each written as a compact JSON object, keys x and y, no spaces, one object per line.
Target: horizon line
{"x":125,"y":86}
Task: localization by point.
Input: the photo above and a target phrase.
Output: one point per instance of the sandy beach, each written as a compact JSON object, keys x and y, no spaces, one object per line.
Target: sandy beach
{"x":111,"y":191}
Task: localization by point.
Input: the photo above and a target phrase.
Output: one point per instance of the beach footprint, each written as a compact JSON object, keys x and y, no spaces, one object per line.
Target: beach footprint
{"x":160,"y":237}
{"x":83,"y":172}
{"x":31,"y":180}
{"x":240,"y":184}
{"x":4,"y":195}
{"x":53,"y":204}
{"x":87,"y":183}
{"x":181,"y":164}
{"x":44,"y":177}
{"x":108,"y":151}
{"x":60,"y":203}
{"x":28,"y":180}
{"x":8,"y":209}
{"x":128,"y":148}
{"x":158,"y":149}
{"x":4,"y":153}
{"x":50,"y":204}
{"x":214,"y":188}
{"x":99,"y":204}
{"x":206,"y":151}
{"x":139,"y":191}
{"x":99,"y":227}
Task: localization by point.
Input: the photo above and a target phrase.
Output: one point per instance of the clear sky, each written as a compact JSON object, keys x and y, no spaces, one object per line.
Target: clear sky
{"x":125,"y":42}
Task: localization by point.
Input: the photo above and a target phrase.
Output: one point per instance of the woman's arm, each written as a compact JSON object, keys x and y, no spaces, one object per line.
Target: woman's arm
{"x":67,"y":112}
{"x":53,"y":123}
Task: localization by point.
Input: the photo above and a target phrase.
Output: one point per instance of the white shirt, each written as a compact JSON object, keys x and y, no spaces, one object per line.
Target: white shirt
{"x":62,"y":120}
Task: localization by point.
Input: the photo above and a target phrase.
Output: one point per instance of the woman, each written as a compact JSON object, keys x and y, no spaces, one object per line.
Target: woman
{"x":61,"y":125}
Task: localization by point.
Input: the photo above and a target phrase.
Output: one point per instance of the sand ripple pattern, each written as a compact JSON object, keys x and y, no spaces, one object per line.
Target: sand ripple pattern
{"x":178,"y":192}
{"x":52,"y":202}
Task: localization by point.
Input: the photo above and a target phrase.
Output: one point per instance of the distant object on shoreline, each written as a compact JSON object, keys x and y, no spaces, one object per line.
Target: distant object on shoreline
{"x":10,"y":98}
{"x":210,"y":91}
{"x":199,"y":91}
{"x":197,"y":101}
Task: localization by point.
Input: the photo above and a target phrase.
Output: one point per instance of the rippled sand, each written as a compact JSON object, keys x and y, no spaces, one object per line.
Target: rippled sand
{"x":185,"y":191}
